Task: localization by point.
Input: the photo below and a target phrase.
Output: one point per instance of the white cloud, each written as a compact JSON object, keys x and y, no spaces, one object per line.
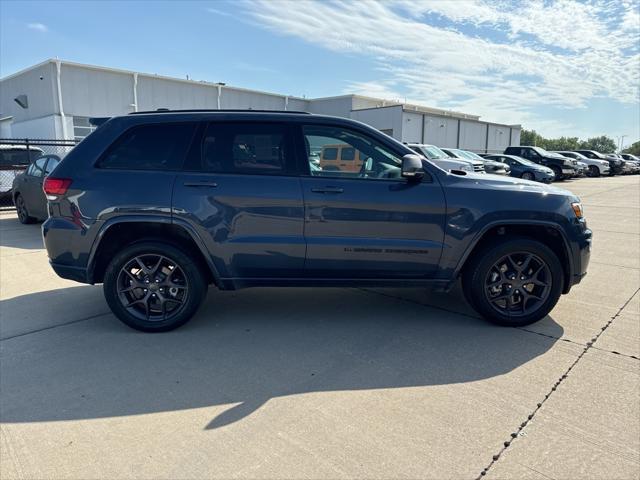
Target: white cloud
{"x":497,"y":59}
{"x":216,"y":11}
{"x":40,"y":27}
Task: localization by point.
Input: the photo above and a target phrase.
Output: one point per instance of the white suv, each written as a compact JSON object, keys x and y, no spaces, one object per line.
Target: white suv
{"x":595,"y":167}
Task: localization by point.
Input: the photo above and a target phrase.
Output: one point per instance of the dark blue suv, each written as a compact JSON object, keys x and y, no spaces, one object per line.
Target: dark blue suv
{"x":159,"y":205}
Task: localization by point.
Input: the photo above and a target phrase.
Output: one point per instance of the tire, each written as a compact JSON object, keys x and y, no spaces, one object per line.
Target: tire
{"x":481,"y":273}
{"x":593,"y":171}
{"x":528,"y":176}
{"x":557,"y":172}
{"x":22,"y":211}
{"x":144,"y":304}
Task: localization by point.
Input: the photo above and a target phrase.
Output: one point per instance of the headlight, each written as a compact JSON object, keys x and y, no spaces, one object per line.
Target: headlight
{"x":567,"y":163}
{"x":577,"y":209}
{"x":468,"y":168}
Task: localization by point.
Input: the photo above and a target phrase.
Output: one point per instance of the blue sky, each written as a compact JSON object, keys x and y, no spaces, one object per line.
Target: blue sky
{"x":561,"y":67}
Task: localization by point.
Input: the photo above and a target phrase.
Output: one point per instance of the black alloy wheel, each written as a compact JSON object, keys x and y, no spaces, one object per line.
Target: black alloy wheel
{"x":153,"y":286}
{"x":517,"y":284}
{"x":513,"y":281}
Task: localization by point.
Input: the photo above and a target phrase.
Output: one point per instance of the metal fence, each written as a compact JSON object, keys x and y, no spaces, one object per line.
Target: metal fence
{"x":16,"y":154}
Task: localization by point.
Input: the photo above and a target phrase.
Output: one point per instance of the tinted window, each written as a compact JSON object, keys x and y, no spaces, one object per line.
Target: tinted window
{"x":9,"y":158}
{"x":150,"y":147}
{"x":51,"y":164}
{"x":245,"y":148}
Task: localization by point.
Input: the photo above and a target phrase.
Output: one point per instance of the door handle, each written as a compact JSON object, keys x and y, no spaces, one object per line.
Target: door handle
{"x":328,"y":190}
{"x":201,"y":184}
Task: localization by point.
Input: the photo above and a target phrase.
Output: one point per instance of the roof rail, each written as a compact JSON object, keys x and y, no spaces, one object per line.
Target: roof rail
{"x":212,"y":110}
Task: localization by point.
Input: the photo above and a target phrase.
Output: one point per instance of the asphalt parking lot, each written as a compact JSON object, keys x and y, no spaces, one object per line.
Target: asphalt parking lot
{"x":326,"y":383}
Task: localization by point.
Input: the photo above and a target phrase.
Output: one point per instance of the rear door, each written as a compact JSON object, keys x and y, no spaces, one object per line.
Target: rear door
{"x":370,"y":223}
{"x":241,"y":194}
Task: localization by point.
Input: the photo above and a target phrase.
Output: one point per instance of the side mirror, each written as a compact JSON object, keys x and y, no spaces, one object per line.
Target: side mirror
{"x":412,"y":167}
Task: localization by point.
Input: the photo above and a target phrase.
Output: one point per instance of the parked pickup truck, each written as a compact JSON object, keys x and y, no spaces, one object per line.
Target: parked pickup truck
{"x":159,"y":205}
{"x":562,"y":167}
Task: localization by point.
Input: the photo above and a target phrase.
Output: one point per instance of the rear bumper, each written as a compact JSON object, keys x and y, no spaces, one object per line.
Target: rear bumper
{"x":78,"y":274}
{"x":68,"y":243}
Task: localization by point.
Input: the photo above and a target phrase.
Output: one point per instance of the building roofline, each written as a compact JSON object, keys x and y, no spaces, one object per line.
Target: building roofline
{"x":151,"y":75}
{"x":28,"y":69}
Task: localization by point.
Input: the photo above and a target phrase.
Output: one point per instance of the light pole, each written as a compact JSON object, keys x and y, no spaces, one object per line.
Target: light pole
{"x":622,"y":142}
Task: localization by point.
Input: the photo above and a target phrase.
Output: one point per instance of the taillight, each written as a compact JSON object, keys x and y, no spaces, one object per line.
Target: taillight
{"x":56,"y":186}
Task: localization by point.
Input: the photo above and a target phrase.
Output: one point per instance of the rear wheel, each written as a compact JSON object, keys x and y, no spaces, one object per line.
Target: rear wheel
{"x":154,"y":287}
{"x":21,"y":210}
{"x":528,"y":176}
{"x":515,"y":282}
{"x":594,"y":171}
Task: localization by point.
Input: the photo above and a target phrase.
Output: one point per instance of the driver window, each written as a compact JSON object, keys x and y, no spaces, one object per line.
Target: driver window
{"x":38,"y":167}
{"x":342,"y":153}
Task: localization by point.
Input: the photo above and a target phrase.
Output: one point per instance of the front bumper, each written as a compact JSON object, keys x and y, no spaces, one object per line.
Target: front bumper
{"x":581,"y":253}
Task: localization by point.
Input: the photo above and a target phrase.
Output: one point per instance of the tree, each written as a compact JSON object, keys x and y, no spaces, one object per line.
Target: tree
{"x":530,"y":137}
{"x":634,"y":149}
{"x":601,"y":144}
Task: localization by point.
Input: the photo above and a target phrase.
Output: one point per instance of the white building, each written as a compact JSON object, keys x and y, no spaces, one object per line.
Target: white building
{"x":56,"y":98}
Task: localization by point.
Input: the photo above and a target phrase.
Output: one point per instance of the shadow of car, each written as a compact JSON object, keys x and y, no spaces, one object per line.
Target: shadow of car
{"x":247,"y":348}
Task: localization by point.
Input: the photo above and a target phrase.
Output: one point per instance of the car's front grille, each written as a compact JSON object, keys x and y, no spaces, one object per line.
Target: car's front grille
{"x":478,"y":168}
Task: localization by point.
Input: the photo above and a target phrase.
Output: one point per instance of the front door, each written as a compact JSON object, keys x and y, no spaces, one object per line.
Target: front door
{"x":31,"y":189}
{"x":240,"y":194}
{"x":370,"y":223}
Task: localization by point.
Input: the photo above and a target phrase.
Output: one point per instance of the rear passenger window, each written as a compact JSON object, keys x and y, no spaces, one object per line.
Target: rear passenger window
{"x":150,"y":147}
{"x":245,"y":148}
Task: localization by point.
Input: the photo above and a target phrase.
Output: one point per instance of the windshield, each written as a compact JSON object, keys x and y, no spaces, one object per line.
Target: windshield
{"x":461,"y":154}
{"x":472,"y":156}
{"x":541,"y":151}
{"x":432,"y":152}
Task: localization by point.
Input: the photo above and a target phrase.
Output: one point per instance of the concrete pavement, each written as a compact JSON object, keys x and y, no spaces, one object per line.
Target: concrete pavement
{"x":326,"y":383}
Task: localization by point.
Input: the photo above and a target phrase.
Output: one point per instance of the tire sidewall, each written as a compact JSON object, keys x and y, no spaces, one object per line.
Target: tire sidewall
{"x":474,"y":280}
{"x":195,"y":277}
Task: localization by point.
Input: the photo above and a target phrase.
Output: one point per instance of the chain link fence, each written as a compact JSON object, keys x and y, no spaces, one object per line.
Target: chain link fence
{"x":16,"y":154}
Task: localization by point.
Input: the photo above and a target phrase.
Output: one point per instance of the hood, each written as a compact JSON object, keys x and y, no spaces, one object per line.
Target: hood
{"x":514,"y":184}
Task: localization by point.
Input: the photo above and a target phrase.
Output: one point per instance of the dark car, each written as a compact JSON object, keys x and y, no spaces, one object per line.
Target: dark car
{"x":562,"y":167}
{"x":616,"y":166}
{"x":159,"y":205}
{"x":523,"y":168}
{"x":28,"y":196}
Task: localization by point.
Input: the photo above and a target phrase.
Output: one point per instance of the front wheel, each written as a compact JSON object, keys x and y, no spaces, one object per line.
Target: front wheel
{"x":528,"y":176}
{"x":154,"y":287}
{"x":514,"y":283}
{"x":594,"y":171}
{"x":557,"y":172}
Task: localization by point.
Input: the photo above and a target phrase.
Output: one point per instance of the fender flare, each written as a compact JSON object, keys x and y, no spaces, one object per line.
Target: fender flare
{"x":159,"y":219}
{"x":514,"y":223}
